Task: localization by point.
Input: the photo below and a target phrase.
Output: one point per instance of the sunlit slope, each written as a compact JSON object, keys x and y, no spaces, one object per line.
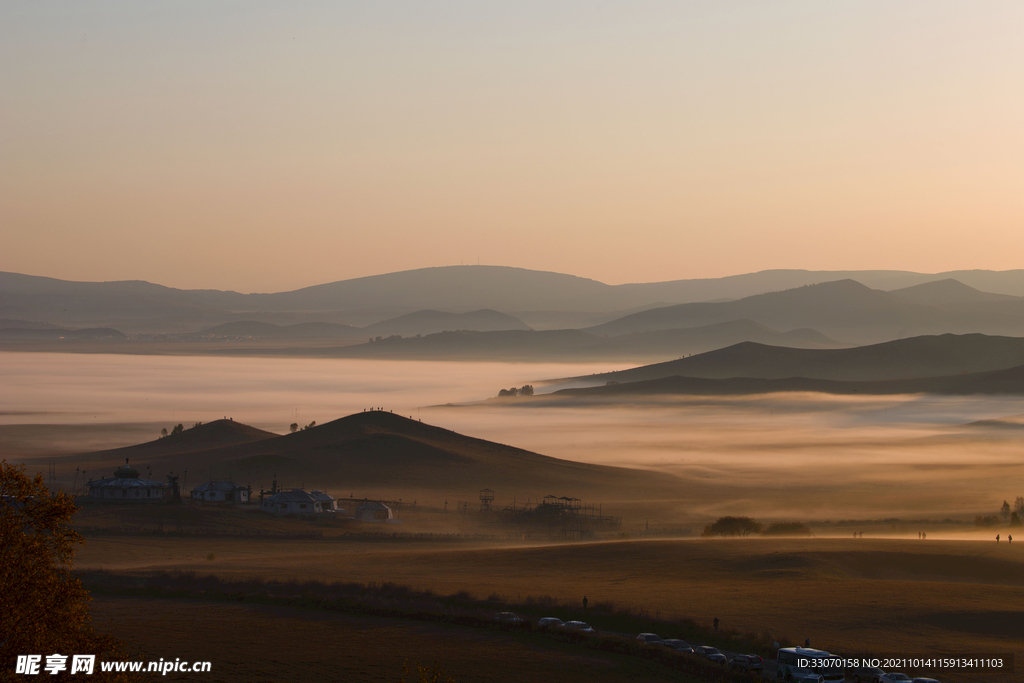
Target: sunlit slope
{"x":925,"y":356}
{"x":389,"y":452}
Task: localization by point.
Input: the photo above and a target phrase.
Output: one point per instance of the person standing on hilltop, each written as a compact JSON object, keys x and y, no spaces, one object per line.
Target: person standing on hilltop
{"x":997,"y":539}
{"x":584,"y":603}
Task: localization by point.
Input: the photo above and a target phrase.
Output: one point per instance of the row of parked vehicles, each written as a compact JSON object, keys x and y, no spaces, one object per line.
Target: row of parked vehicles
{"x":789,"y":666}
{"x":746,"y":663}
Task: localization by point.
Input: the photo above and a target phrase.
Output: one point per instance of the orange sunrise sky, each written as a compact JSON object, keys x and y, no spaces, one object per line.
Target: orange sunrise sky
{"x":262,"y":146}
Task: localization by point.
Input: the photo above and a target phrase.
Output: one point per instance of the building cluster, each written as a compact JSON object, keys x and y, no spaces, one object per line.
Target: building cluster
{"x":127,"y":486}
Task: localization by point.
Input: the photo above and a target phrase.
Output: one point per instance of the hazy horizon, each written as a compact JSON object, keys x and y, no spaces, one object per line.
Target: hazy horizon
{"x":257,"y":148}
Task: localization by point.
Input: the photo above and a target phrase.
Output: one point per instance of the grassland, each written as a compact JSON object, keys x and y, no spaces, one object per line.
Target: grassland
{"x":863,"y":595}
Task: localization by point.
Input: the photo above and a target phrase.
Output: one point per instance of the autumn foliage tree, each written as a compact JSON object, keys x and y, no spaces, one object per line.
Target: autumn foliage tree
{"x":43,"y":607}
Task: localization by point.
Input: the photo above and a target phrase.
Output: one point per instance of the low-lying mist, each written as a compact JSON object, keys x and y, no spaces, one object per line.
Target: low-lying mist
{"x":780,"y":456}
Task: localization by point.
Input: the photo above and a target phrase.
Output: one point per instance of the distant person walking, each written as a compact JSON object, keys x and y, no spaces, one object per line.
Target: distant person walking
{"x":716,"y":624}
{"x":997,"y":539}
{"x":1009,"y":539}
{"x":807,"y":642}
{"x":584,"y":602}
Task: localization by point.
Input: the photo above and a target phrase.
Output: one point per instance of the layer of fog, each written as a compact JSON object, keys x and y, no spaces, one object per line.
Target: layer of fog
{"x":784,"y":455}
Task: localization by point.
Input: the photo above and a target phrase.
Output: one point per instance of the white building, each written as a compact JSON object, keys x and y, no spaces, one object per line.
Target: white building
{"x":221,"y":492}
{"x":294,"y":502}
{"x":373,"y":512}
{"x":327,"y":502}
{"x":127,"y":487}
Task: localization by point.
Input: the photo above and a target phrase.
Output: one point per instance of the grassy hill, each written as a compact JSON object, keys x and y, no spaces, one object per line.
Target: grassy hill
{"x":925,"y":356}
{"x":381,"y":453}
{"x":205,"y":437}
{"x":1008,"y":381}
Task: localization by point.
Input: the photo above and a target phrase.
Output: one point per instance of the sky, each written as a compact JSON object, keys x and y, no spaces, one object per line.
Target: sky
{"x":261,"y":146}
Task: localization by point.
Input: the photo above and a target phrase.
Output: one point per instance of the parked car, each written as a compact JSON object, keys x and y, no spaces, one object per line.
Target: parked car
{"x":581,"y":626}
{"x":865,"y":674}
{"x":813,"y":678}
{"x":894,"y":677}
{"x":747,"y":663}
{"x":677,"y":645}
{"x":649,"y":638}
{"x":924,"y":680}
{"x":550,"y":622}
{"x":510,"y":618}
{"x":708,"y":652}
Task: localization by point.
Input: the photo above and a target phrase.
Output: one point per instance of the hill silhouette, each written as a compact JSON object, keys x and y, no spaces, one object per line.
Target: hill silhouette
{"x":137,"y":306}
{"x":1009,"y":381}
{"x":925,"y":356}
{"x":207,"y":436}
{"x":432,"y":322}
{"x":382,"y":451}
{"x":846,"y":310}
{"x":948,"y":292}
{"x":578,"y":345}
{"x":264,"y":330}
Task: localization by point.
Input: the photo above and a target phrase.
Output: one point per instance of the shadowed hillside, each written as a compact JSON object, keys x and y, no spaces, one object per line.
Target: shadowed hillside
{"x":387,"y":453}
{"x":927,"y":356}
{"x":1009,"y":381}
{"x":211,"y":435}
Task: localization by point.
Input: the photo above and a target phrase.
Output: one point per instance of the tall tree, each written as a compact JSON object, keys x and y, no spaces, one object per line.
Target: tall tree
{"x":44,"y":609}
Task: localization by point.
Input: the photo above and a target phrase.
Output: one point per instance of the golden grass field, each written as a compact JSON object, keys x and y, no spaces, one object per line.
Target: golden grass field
{"x":863,"y":595}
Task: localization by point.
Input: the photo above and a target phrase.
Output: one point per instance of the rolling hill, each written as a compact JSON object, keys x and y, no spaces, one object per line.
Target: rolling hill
{"x":211,"y":435}
{"x":844,"y":309}
{"x":926,"y":356}
{"x":1009,"y":381}
{"x":262,"y":330}
{"x":578,"y":345}
{"x":378,"y":451}
{"x":138,"y":306}
{"x":432,"y":322}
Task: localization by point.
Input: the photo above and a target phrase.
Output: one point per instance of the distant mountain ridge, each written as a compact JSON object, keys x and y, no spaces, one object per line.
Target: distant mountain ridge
{"x":141,"y":306}
{"x":578,"y":345}
{"x":846,"y":310}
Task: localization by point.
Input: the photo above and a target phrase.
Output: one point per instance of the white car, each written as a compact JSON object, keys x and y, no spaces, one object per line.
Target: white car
{"x":581,"y":626}
{"x":677,"y":645}
{"x":550,"y":622}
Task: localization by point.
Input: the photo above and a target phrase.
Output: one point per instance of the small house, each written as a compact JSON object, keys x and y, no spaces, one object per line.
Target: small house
{"x":294,"y":502}
{"x":373,"y":512}
{"x":327,"y":502}
{"x":220,"y":492}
